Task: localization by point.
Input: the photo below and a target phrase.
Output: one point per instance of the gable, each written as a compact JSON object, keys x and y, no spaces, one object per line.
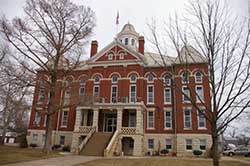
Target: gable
{"x":116,"y":53}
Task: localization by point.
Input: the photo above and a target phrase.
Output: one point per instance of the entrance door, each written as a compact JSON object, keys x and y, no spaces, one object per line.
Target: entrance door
{"x":127,"y":146}
{"x":110,"y":122}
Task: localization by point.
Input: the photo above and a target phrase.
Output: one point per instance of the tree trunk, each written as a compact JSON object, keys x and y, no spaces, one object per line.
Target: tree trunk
{"x":215,"y":151}
{"x":3,"y":135}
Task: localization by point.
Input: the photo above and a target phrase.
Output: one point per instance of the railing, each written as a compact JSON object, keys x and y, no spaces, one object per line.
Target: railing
{"x":85,"y":129}
{"x":108,"y":151}
{"x":128,"y":130}
{"x":84,"y":142}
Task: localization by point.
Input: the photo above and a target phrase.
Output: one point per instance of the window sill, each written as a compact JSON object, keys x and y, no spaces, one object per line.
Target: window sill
{"x":150,"y":128}
{"x":167,"y":103}
{"x":187,"y":128}
{"x":189,"y":150}
{"x":63,"y":127}
{"x":202,"y":128}
{"x":168,"y":128}
{"x":150,"y":103}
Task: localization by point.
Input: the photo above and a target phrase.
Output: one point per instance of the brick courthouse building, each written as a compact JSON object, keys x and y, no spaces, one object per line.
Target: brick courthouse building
{"x":126,"y":102}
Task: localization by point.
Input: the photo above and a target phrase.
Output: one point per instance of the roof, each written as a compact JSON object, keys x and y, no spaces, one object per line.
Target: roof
{"x":128,"y":29}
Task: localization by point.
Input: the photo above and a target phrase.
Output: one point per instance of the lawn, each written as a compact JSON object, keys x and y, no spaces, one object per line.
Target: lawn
{"x":11,"y":154}
{"x":159,"y":162}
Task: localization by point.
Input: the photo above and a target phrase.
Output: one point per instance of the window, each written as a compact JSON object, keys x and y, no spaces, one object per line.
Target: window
{"x":151,"y":144}
{"x":114,"y":79}
{"x":97,"y":79}
{"x":167,"y":81}
{"x":132,"y":96}
{"x":121,"y":55}
{"x":126,"y":41}
{"x":37,"y":119}
{"x":186,"y":94}
{"x":150,"y":94}
{"x":96,"y":91}
{"x":64,"y":119}
{"x":132,"y":119}
{"x":198,"y":77}
{"x":189,"y":144}
{"x":168,"y":119}
{"x":187,"y":119}
{"x":62,"y":140}
{"x":133,"y":78}
{"x":41,"y":96}
{"x":150,"y":78}
{"x":43,"y":139}
{"x":185,"y":77}
{"x":169,"y":144}
{"x":132,"y":42}
{"x":150,"y":120}
{"x":110,"y":56}
{"x":199,"y":94}
{"x":67,"y":94}
{"x":34,"y":138}
{"x":82,"y":87}
{"x":45,"y":119}
{"x":114,"y":93}
{"x":201,"y":120}
{"x":203,"y":144}
{"x":167,"y":95}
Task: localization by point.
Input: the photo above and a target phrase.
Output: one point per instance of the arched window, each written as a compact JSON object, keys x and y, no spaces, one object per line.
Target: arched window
{"x":167,"y":81}
{"x":150,"y":78}
{"x":114,"y":78}
{"x":185,"y":77}
{"x":97,"y":79}
{"x":198,"y":77}
{"x":82,"y":83}
{"x":126,"y":41}
{"x":132,"y":42}
{"x":110,"y":56}
{"x":121,"y":55}
{"x":133,"y":77}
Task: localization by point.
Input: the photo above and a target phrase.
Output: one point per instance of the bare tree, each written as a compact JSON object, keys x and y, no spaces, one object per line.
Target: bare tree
{"x":223,"y":42}
{"x":50,"y":37}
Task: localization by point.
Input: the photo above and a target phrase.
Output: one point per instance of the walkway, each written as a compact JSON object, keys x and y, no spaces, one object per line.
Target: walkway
{"x":57,"y":161}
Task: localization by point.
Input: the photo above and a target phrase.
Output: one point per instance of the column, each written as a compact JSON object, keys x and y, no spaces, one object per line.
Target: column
{"x":139,"y":121}
{"x":85,"y":117}
{"x":78,"y":120}
{"x":95,"y":118}
{"x":119,"y":119}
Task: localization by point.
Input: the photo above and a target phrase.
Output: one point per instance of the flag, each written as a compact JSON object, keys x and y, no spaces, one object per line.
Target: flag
{"x":117,"y":18}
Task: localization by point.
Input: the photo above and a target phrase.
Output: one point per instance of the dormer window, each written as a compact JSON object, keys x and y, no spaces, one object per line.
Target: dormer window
{"x":132,"y":42}
{"x":126,"y":41}
{"x":110,"y":57}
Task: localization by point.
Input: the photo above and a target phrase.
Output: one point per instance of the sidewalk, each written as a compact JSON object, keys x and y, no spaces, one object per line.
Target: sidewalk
{"x":58,"y":161}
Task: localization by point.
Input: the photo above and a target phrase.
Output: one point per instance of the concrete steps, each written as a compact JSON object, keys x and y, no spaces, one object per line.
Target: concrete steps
{"x":96,"y":145}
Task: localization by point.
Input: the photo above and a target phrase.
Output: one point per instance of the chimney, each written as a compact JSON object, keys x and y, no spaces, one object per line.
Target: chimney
{"x":94,"y":47}
{"x":141,"y":45}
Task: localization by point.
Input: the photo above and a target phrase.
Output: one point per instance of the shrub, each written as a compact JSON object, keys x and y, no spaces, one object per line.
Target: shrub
{"x":66,"y":148}
{"x":33,"y":145}
{"x":23,"y":142}
{"x":56,"y":146}
{"x":164,"y":151}
{"x":197,"y":152}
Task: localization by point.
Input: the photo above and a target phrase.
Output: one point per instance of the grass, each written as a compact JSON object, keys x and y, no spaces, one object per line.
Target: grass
{"x":11,"y":154}
{"x":159,"y":162}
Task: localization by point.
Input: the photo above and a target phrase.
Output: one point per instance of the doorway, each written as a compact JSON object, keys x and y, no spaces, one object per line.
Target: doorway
{"x":110,"y":122}
{"x":127,"y":146}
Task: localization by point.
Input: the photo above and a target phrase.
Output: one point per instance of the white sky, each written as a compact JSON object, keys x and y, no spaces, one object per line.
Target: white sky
{"x":137,"y":12}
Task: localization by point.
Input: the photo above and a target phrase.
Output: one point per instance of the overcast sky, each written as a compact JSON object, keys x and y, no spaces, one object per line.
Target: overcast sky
{"x":137,"y":12}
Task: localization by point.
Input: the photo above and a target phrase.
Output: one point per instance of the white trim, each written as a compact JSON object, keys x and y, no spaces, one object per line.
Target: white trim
{"x":148,"y":86}
{"x":171,"y":121}
{"x":184,"y":119}
{"x":183,"y":96}
{"x":98,"y":90}
{"x":130,"y":93}
{"x":62,"y":114}
{"x":205,"y":144}
{"x":198,"y":120}
{"x":188,"y":144}
{"x":198,"y":82}
{"x":188,"y":78}
{"x":112,"y":93}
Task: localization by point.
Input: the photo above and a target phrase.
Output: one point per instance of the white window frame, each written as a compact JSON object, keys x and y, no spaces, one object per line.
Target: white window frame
{"x":116,"y":94}
{"x":188,"y":94}
{"x":60,"y":139}
{"x":135,"y":76}
{"x":182,"y":77}
{"x":190,"y":118}
{"x":199,"y":99}
{"x":198,"y":119}
{"x":130,"y":96}
{"x":201,"y":144}
{"x":149,"y":144}
{"x":35,"y":141}
{"x":187,"y":144}
{"x":198,"y":81}
{"x":132,"y":42}
{"x":165,"y":101}
{"x":171,"y":143}
{"x":37,"y":119}
{"x":126,"y":41}
{"x":167,"y":83}
{"x":151,"y":122}
{"x":110,"y":56}
{"x":165,"y":120}
{"x":150,"y":76}
{"x":150,"y":102}
{"x":94,"y":93}
{"x":64,"y":120}
{"x":121,"y":55}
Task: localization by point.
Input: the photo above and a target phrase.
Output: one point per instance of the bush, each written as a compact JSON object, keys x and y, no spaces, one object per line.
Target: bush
{"x":66,"y":148}
{"x":23,"y":142}
{"x":197,"y":152}
{"x":55,"y":147}
{"x":164,"y":151}
{"x":33,"y":145}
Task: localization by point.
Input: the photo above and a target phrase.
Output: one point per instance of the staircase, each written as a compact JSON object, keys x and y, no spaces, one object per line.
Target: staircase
{"x":96,"y":144}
